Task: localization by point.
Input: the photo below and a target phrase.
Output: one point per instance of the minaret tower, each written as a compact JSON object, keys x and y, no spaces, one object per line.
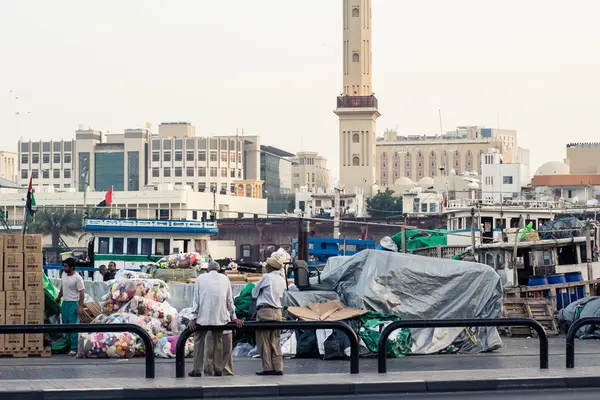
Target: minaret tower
{"x":357,"y":106}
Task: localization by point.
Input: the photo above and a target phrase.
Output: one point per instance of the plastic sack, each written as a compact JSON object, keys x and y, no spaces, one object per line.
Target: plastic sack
{"x":370,"y":326}
{"x":123,"y":292}
{"x":288,"y":348}
{"x":107,"y":345}
{"x":184,"y":317}
{"x":523,"y":232}
{"x":163,"y":312}
{"x":123,"y":274}
{"x":151,"y":325}
{"x":180,"y":261}
{"x":242,"y":350}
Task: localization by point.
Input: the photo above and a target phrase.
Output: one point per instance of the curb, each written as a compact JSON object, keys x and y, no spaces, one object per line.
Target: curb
{"x":301,"y":390}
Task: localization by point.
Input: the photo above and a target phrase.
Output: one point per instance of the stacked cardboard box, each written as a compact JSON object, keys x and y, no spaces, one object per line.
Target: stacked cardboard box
{"x":22,"y":296}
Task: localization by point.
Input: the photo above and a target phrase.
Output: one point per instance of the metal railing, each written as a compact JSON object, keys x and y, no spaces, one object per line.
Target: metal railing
{"x":459,"y":323}
{"x":571,"y":337}
{"x":253,"y":325}
{"x":75,"y":328}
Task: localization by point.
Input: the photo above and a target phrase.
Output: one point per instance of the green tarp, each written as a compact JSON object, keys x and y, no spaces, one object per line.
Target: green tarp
{"x":416,"y":239}
{"x":243,"y":301}
{"x":371,"y":324}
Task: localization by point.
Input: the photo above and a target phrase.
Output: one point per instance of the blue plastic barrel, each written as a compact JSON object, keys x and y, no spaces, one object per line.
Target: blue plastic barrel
{"x":575,"y":293}
{"x":539,"y":281}
{"x":562,"y":295}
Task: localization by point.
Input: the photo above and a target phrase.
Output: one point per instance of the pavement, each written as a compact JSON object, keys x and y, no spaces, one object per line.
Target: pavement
{"x":515,"y":367}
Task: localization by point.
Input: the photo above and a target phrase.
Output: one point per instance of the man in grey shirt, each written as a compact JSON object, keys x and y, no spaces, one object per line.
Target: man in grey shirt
{"x":268,"y":294}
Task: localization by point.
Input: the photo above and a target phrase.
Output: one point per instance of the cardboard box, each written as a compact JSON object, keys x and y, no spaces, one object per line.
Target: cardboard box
{"x":2,"y":302}
{"x":13,"y":243}
{"x":15,"y":300}
{"x":13,"y":262}
{"x":34,"y":281}
{"x":35,"y":299}
{"x":33,"y":262}
{"x":32,"y":244}
{"x":13,"y":281}
{"x":2,"y":286}
{"x":34,"y":316}
{"x":2,"y":323}
{"x":2,"y":243}
{"x":16,"y":341}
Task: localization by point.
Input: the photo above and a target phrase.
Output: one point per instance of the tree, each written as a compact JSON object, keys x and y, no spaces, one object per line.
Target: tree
{"x":384,"y":204}
{"x":56,"y":222}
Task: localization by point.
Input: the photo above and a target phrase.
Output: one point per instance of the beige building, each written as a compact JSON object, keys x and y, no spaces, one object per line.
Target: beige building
{"x":583,"y":158}
{"x":309,"y":170}
{"x":357,"y":106}
{"x":419,"y":156}
{"x":8,"y":166}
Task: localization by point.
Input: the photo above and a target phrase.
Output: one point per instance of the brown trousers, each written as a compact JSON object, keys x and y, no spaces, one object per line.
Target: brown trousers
{"x":268,"y":342}
{"x":209,"y":366}
{"x":216,"y":351}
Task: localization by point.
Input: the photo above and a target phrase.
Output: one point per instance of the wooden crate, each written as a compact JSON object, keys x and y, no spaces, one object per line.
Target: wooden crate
{"x":44,"y":352}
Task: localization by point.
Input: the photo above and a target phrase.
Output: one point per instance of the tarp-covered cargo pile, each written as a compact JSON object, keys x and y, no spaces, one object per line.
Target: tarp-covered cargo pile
{"x":583,"y":308}
{"x":183,"y":267}
{"x":415,"y":287}
{"x":140,"y":300}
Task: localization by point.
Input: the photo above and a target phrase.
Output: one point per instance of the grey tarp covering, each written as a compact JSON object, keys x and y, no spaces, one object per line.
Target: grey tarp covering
{"x":416,"y":287}
{"x":590,"y":308}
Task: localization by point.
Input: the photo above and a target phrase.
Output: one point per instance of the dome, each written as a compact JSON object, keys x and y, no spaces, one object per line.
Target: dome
{"x":553,"y":168}
{"x":404,"y":181}
{"x":426,"y":182}
{"x":473,"y":186}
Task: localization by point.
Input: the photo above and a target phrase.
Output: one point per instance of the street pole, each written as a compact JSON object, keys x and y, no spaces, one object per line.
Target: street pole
{"x":303,"y":231}
{"x":336,"y":214}
{"x":588,"y":256}
{"x":473,"y":230}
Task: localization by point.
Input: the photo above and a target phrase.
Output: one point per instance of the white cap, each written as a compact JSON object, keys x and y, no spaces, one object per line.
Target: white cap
{"x":387,"y":243}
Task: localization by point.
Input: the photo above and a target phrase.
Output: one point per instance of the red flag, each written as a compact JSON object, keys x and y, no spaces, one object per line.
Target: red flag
{"x":108,"y":196}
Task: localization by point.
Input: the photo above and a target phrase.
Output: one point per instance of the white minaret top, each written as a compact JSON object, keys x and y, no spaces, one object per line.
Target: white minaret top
{"x":357,"y":48}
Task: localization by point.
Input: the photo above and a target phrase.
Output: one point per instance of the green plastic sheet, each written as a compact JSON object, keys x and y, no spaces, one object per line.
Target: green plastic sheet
{"x":416,"y":239}
{"x":243,"y":301}
{"x":523,"y":232}
{"x":370,"y":326}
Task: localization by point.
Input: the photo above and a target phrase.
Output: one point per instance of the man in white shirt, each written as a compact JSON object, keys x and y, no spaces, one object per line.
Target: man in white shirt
{"x":268,"y":294}
{"x":213,"y":305}
{"x":72,"y":295}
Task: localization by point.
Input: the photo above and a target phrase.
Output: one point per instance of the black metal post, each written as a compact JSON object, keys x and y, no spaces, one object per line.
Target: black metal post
{"x":74,"y":328}
{"x":251,"y":326}
{"x":303,"y":232}
{"x":457,"y":323}
{"x":571,"y":337}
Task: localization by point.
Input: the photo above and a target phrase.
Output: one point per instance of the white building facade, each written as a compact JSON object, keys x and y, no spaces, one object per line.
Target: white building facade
{"x":310,"y":170}
{"x":9,"y":166}
{"x":499,"y":181}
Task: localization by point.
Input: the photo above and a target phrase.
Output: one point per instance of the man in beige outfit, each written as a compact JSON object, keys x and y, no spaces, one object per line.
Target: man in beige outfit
{"x":268,"y":294}
{"x":209,"y":369}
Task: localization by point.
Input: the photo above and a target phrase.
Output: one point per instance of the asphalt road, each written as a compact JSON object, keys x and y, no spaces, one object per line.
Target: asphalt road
{"x":583,"y":394}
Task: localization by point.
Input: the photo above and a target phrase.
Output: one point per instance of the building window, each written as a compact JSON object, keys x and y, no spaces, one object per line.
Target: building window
{"x":570,"y":193}
{"x":25,"y":147}
{"x":57,"y":146}
{"x":155,"y":172}
{"x":24,"y":158}
{"x":232,"y":157}
{"x":167,"y":172}
{"x":356,"y":138}
{"x":35,"y":158}
{"x":56,"y":174}
{"x":156,"y":144}
{"x":201,"y":156}
{"x":223,"y":172}
{"x":67,"y":158}
{"x":155,"y":156}
{"x":109,"y":170}
{"x":133,"y":170}
{"x":162,"y":246}
{"x":223,"y":156}
{"x":132,"y":246}
{"x":35,"y":147}
{"x":213,"y":156}
{"x":355,"y":161}
{"x":355,"y":12}
{"x":146,"y":247}
{"x":67,"y":173}
{"x":507,"y":180}
{"x":178,"y":156}
{"x":432,"y":207}
{"x":178,"y":172}
{"x":189,"y":155}
{"x":103,"y":244}
{"x":117,"y":246}
{"x":202,"y":186}
{"x":424,"y":207}
{"x":67,"y":186}
{"x":232,"y":173}
{"x":46,"y":158}
{"x":24,"y":174}
{"x":355,"y":57}
{"x":56,"y":158}
{"x":213,"y":172}
{"x":34,"y":174}
{"x":223,"y":188}
{"x":189,"y":171}
{"x":201,"y":171}
{"x":167,"y":156}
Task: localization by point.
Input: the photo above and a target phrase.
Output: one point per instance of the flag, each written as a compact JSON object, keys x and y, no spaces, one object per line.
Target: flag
{"x":30,"y":202}
{"x":107,"y":198}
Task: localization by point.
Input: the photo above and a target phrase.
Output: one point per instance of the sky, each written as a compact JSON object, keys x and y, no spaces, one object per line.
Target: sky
{"x":273,"y":68}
